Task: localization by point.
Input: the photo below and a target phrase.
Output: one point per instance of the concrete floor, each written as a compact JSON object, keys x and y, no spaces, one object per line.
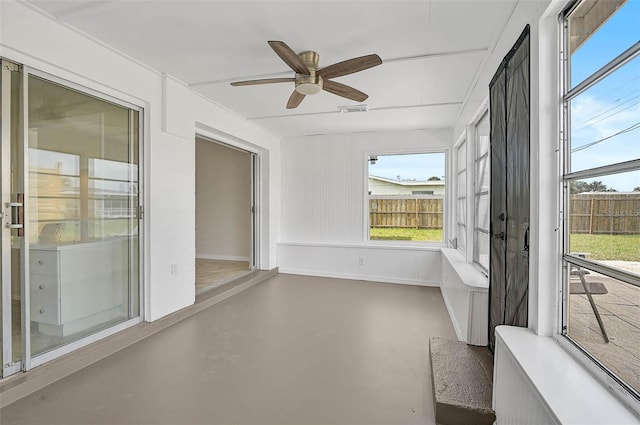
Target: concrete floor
{"x":290,"y":350}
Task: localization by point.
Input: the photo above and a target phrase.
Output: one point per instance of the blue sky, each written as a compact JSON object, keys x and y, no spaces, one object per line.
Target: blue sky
{"x":605,"y":119}
{"x":410,"y":166}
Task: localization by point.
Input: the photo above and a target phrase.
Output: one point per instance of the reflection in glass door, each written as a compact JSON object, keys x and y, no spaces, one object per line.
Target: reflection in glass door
{"x":70,"y":197}
{"x":83,"y":214}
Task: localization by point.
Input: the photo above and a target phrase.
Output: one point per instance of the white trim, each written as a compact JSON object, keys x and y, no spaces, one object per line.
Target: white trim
{"x":222,"y":257}
{"x":367,"y":278}
{"x":413,"y":247}
{"x":211,"y":134}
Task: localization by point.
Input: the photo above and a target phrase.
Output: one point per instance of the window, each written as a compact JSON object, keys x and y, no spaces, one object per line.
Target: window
{"x":601,"y":180}
{"x":461,"y":198}
{"x":406,"y":197}
{"x":481,"y":194}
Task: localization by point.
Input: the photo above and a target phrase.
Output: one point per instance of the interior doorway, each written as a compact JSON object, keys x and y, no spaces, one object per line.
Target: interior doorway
{"x":225,"y":219}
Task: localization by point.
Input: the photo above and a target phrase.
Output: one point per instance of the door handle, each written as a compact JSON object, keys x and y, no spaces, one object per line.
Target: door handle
{"x":526,"y":240}
{"x":499,"y":235}
{"x":14,"y":214}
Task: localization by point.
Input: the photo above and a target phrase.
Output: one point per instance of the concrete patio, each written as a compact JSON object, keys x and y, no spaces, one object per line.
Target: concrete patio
{"x":620,"y":312}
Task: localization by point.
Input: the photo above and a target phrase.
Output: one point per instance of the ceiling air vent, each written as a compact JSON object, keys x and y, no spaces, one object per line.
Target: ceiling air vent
{"x":354,"y":108}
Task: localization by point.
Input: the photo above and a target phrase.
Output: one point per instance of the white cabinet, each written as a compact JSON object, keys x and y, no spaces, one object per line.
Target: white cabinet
{"x":79,"y":285}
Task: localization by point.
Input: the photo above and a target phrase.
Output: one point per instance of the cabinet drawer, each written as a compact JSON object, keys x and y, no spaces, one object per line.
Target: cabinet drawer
{"x":45,"y":299}
{"x":43,"y":262}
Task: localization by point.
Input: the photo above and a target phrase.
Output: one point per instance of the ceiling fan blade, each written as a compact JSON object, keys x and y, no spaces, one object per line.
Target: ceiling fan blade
{"x":294,"y":100}
{"x":344,"y":91}
{"x":350,"y":66}
{"x":289,"y":57}
{"x":263,"y":81}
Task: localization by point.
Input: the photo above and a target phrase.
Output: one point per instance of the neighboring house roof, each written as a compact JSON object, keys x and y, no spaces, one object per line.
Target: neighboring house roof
{"x":409,"y":182}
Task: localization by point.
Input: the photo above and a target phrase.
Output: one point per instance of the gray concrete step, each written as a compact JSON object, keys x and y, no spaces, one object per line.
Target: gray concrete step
{"x":462,"y":380}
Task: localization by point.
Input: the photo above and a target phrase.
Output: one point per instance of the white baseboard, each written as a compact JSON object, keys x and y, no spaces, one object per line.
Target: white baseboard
{"x":359,"y":277}
{"x":222,"y":257}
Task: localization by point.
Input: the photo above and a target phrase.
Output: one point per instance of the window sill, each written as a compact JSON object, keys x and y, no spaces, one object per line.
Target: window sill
{"x":564,"y":386}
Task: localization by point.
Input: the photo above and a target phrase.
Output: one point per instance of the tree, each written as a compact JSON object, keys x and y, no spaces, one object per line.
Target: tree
{"x":595,"y":186}
{"x":579,"y":187}
{"x":434,"y":179}
{"x":598,"y":186}
{"x":636,"y":189}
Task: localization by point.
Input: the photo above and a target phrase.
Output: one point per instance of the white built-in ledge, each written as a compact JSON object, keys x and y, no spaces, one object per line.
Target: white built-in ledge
{"x":468,"y":273}
{"x":565,"y":387}
{"x":465,"y":290}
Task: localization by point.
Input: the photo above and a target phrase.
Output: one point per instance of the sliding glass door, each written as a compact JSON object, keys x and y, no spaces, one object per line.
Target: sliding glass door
{"x":72,"y":250}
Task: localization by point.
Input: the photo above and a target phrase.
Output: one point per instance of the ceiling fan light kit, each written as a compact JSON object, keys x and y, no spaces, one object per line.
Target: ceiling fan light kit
{"x":308,"y":84}
{"x":311,"y":80}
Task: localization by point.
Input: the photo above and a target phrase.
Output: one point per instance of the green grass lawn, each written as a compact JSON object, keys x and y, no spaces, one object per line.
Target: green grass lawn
{"x":406,"y":234}
{"x":599,"y":247}
{"x":607,"y":247}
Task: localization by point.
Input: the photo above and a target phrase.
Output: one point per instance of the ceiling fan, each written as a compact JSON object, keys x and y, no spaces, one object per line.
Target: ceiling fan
{"x":311,"y":80}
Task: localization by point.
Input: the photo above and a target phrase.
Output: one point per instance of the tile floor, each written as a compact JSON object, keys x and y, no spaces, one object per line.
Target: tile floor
{"x":212,"y":273}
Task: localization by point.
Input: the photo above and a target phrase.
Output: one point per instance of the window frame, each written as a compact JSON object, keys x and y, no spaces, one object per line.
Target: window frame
{"x":567,"y":259}
{"x":445,"y":202}
{"x":477,"y":192}
{"x":461,"y":226}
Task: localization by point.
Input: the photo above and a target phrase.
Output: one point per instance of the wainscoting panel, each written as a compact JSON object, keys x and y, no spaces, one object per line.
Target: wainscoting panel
{"x":375,"y":263}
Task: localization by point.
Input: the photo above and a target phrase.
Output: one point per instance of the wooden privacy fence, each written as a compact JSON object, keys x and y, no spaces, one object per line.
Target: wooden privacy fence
{"x":608,"y":213}
{"x":410,"y":211}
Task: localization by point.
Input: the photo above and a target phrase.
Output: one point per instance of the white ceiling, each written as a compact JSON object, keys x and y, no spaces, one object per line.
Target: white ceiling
{"x":431,"y":52}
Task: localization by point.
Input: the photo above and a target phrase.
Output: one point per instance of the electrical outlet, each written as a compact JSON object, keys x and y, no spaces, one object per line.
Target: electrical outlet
{"x":206,"y":239}
{"x":174,"y":268}
{"x":362,"y":261}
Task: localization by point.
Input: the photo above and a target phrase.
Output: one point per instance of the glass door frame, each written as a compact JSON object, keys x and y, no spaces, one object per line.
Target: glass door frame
{"x":10,"y":71}
{"x":27,"y":361}
{"x":255,"y":181}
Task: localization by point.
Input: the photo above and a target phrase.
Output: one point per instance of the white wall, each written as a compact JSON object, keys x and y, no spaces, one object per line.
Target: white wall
{"x":324,"y":213}
{"x":223,"y":202}
{"x":172,"y":115}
